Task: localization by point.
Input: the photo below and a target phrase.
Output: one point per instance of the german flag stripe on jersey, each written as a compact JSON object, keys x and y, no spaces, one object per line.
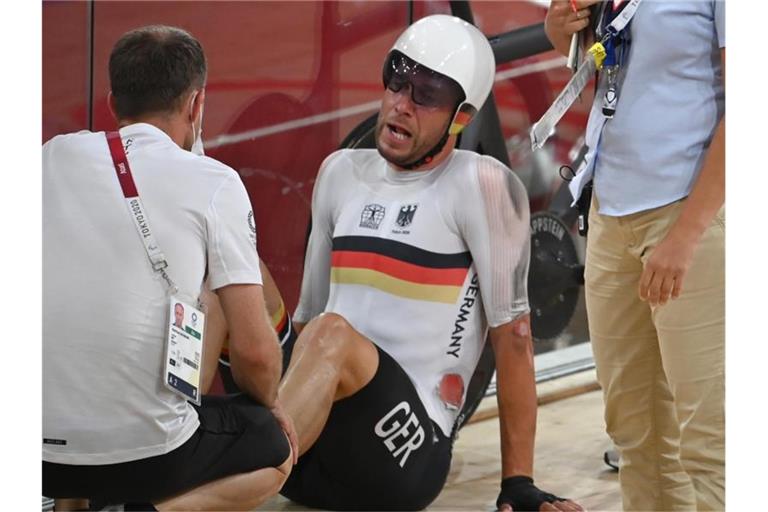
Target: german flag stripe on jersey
{"x":398,"y":268}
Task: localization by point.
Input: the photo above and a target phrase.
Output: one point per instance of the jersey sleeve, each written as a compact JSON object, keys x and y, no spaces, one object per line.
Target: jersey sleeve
{"x":316,"y":280}
{"x":494,"y":220}
{"x":232,"y":255}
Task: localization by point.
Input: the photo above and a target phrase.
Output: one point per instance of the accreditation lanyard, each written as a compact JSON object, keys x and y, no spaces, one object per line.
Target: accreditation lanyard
{"x":132,"y":200}
{"x":592,"y":62}
{"x":186,"y":325}
{"x":611,"y":32}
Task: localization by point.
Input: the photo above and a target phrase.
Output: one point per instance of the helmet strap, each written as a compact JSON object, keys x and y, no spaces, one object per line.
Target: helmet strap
{"x":464,"y":114}
{"x":430,"y":154}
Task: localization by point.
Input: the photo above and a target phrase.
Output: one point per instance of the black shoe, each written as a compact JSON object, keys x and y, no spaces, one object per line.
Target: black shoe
{"x":611,"y":458}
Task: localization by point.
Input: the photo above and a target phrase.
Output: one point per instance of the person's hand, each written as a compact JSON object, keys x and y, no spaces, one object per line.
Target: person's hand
{"x":519,"y":494}
{"x":286,"y":423}
{"x":665,"y":270}
{"x":562,"y":21}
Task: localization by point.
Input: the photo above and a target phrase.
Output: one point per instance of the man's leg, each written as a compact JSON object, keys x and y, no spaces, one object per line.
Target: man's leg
{"x":639,"y":411}
{"x":215,"y":335}
{"x":378,"y":449}
{"x":278,"y":315}
{"x":272,"y":298}
{"x":217,"y":350}
{"x":235,"y":433}
{"x":69,"y":504}
{"x":241,"y":491}
{"x":692,"y":336}
{"x":238,"y":457}
{"x":245,"y":491}
{"x":330,"y":361}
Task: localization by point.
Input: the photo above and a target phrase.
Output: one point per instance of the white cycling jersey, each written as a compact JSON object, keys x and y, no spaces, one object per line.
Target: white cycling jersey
{"x":420,"y":262}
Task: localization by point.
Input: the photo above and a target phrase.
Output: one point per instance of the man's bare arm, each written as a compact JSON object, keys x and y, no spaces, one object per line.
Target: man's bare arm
{"x":516,"y":395}
{"x":254,"y":352}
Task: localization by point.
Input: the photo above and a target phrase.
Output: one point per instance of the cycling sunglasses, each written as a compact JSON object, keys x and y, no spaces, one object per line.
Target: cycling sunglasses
{"x":428,"y":88}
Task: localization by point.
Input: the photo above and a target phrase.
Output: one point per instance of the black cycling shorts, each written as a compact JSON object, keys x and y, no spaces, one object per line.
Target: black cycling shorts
{"x":236,"y":435}
{"x":379,"y":450}
{"x":287,"y":336}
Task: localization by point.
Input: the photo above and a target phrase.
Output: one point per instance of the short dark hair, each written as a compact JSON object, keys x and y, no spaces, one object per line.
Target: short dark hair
{"x":151,"y":68}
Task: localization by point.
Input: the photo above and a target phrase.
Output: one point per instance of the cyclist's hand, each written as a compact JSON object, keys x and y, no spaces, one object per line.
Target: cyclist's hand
{"x":518,"y":493}
{"x":562,"y":21}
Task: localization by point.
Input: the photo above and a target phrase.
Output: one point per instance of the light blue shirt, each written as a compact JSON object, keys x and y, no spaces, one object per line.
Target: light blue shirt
{"x":671,"y":98}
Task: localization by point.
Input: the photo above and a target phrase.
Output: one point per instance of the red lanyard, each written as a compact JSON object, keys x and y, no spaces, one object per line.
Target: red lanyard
{"x":121,"y":165}
{"x":124,"y":176}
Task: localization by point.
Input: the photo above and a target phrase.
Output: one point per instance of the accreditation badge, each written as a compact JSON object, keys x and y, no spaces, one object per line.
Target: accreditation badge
{"x":184,"y":349}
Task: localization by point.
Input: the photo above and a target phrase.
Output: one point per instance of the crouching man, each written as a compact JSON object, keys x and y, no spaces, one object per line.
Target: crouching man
{"x":133,"y":222}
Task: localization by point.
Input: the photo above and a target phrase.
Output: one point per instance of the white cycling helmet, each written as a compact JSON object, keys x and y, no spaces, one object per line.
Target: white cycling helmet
{"x":452,"y":47}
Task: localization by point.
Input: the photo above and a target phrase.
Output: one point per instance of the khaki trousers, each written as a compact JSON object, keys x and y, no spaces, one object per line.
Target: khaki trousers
{"x":661,"y":369}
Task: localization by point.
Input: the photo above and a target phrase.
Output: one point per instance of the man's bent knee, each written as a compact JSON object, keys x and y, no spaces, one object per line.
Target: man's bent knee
{"x":329,"y":334}
{"x":331,"y":323}
{"x":331,"y":339}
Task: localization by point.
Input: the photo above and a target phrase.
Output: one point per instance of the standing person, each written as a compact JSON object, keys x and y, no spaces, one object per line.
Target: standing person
{"x":416,"y":250}
{"x":655,"y":247}
{"x":113,"y":432}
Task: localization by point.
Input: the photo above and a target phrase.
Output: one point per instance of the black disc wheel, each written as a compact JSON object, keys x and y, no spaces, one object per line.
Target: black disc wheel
{"x":554,"y":277}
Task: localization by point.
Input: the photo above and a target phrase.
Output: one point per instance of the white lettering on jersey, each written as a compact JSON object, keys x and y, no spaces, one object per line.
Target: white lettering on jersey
{"x":464,"y":310}
{"x":400,"y":439}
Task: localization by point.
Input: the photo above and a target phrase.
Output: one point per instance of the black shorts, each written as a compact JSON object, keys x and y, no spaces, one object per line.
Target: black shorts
{"x":379,"y":450}
{"x":287,"y":336}
{"x":236,"y":435}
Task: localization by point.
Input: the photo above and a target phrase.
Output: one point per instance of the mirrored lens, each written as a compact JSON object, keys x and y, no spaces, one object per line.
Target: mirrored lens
{"x":428,"y":88}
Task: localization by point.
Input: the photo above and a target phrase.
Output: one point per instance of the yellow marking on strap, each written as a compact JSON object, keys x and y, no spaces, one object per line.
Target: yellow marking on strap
{"x":598,"y":52}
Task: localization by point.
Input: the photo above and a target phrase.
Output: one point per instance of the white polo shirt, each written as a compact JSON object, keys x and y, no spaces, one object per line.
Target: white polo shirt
{"x":671,"y":99}
{"x":105,"y":310}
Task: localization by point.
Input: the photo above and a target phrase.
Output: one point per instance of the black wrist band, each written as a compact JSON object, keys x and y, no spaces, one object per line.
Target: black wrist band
{"x":514,"y":480}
